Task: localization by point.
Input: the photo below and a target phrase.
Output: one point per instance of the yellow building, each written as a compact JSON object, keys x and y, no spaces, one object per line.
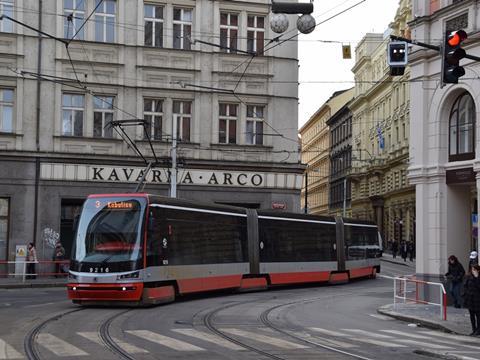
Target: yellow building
{"x":315,"y":153}
{"x":380,"y":136}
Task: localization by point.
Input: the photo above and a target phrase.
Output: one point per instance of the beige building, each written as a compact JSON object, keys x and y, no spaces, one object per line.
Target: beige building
{"x":380,"y":136}
{"x":316,"y":153}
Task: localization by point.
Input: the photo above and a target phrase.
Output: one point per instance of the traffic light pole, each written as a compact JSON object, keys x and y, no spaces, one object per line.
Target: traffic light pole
{"x":428,"y":46}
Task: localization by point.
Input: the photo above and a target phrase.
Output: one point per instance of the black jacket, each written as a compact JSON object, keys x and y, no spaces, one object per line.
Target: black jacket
{"x":456,"y":272}
{"x":471,"y":295}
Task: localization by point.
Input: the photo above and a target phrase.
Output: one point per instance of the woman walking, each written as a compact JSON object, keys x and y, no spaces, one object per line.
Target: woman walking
{"x":472,"y":298}
{"x":31,"y":260}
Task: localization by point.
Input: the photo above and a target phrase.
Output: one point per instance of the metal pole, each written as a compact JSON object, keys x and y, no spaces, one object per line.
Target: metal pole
{"x":306,"y":191}
{"x":173,"y":175}
{"x":345,"y":196}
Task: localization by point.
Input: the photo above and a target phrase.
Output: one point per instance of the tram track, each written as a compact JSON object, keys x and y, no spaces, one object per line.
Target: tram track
{"x":104,"y":332}
{"x":29,"y":342}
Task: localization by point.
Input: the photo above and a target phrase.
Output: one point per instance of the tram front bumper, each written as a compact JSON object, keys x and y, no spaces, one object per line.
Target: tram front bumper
{"x":105,"y":292}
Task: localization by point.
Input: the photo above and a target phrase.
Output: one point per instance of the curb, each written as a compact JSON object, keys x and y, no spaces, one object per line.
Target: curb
{"x":393,"y":262}
{"x":425,"y":323}
{"x":32,"y":285}
{"x":439,"y":355}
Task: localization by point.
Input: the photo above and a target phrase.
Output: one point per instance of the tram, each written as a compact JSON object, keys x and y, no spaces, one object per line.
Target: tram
{"x":142,"y":249}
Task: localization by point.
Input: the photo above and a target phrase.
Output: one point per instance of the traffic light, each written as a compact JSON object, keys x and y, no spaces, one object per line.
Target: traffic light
{"x":397,"y":57}
{"x":452,"y":54}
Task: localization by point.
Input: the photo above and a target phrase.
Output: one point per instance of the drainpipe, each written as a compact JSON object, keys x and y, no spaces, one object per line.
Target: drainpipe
{"x":37,"y":135}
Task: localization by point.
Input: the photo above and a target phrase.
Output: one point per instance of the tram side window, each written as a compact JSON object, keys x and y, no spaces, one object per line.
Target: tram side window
{"x":361,"y":242}
{"x":203,"y":238}
{"x":286,"y":241}
{"x":155,"y":234}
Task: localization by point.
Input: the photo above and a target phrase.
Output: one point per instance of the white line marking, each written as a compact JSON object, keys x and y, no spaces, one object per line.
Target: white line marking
{"x":284,"y":344}
{"x":424,"y":344}
{"x":209,"y":337}
{"x":330,"y":342}
{"x":165,"y":340}
{"x":95,"y":337}
{"x":452,"y":337}
{"x":381,"y":317}
{"x":8,"y":352}
{"x":58,"y":346}
{"x":329,"y":332}
{"x":367,"y":333}
{"x":378,"y":342}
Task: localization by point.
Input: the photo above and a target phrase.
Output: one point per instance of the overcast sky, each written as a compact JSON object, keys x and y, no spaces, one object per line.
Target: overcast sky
{"x":323,"y":62}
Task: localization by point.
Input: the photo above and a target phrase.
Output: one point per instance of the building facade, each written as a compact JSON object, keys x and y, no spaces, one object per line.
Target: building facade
{"x":147,"y":67}
{"x":380,"y":148}
{"x":340,"y":125}
{"x":444,"y":147}
{"x":315,"y":136}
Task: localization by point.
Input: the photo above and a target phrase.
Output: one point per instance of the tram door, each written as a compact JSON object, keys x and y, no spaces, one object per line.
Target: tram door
{"x":71,"y":208}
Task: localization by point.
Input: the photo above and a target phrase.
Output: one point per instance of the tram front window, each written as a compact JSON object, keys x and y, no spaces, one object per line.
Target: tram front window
{"x":109,"y":235}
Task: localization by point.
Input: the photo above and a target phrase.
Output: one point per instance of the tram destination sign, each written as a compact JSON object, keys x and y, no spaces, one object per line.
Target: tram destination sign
{"x":125,"y":174}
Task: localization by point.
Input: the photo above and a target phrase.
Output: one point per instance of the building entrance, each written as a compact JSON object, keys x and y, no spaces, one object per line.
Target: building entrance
{"x":71,"y":209}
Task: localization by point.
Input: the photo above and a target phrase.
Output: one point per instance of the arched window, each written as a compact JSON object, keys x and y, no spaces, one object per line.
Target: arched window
{"x":462,"y":129}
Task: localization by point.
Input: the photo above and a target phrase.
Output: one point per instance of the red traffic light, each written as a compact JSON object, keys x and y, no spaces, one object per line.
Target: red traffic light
{"x":456,"y":37}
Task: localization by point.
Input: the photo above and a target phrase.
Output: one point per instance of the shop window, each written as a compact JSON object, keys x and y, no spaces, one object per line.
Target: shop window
{"x":462,"y":129}
{"x":4,"y":221}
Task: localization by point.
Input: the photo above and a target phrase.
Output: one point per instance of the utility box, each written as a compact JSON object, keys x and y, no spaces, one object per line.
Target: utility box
{"x":20,"y":258}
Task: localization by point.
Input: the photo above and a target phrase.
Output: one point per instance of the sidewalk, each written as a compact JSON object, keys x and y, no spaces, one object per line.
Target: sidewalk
{"x":398,"y":260}
{"x":16,"y":283}
{"x":458,"y":320}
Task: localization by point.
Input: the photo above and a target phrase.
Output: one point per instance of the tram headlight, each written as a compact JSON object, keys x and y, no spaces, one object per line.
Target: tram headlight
{"x":132,"y":275}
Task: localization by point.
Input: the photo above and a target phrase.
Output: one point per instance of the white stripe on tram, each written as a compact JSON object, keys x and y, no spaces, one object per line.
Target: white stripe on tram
{"x":209,"y":338}
{"x":58,"y":346}
{"x":360,"y":225}
{"x":8,"y":352}
{"x":165,"y":340}
{"x":284,"y":344}
{"x":295,"y":219}
{"x":197,"y":210}
{"x":95,"y":337}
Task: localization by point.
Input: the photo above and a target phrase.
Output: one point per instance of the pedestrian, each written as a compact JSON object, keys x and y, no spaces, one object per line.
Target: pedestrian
{"x":472,"y":298}
{"x":404,"y":250}
{"x":394,"y":249}
{"x":411,"y":250}
{"x":455,"y":274}
{"x":31,"y":260}
{"x":473,"y":259}
{"x":58,"y":257}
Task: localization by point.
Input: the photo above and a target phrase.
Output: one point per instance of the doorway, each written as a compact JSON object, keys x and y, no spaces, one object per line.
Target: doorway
{"x":71,"y":209}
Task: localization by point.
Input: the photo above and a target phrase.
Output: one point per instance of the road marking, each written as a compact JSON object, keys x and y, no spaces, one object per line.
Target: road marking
{"x":58,"y":346}
{"x":95,"y":337}
{"x":452,"y":337}
{"x":378,"y":342}
{"x":329,"y":332}
{"x":367,"y":333}
{"x":424,"y":344}
{"x":165,"y":340}
{"x":209,"y":337}
{"x":381,"y":317}
{"x":8,"y":352}
{"x":330,"y":342}
{"x":284,"y":344}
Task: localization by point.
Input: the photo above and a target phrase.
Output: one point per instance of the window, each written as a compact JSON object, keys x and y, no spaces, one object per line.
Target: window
{"x":72,"y":118}
{"x":229,"y":32}
{"x":6,"y":8}
{"x":227,"y":128}
{"x":462,"y":129}
{"x":74,"y":11}
{"x":182,"y":111}
{"x":153,"y":25}
{"x":4,"y":215}
{"x":153,"y":115}
{"x":255,"y":118}
{"x":6,"y":110}
{"x":102,"y":116}
{"x":182,"y":28}
{"x":105,"y":21}
{"x":255,"y":34}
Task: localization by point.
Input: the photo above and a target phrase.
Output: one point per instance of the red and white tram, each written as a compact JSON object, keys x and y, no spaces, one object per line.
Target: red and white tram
{"x":144,"y":249}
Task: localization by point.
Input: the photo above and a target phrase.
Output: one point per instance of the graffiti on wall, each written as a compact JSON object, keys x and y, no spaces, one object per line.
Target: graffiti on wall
{"x":50,"y":237}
